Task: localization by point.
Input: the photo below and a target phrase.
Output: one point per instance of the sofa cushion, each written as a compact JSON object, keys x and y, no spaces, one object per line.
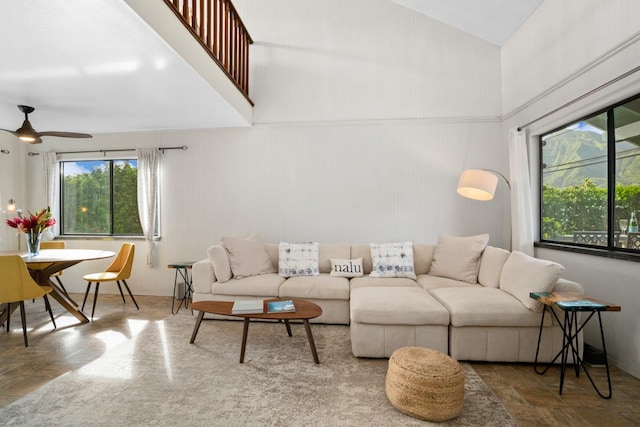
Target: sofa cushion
{"x":396,"y":306}
{"x":264,"y":285}
{"x":481,"y":306}
{"x":247,"y":257}
{"x":458,"y":257}
{"x":346,"y":267}
{"x":327,"y":252}
{"x":298,"y":259}
{"x":428,"y":282}
{"x":220,"y":262}
{"x":523,"y":274}
{"x":371,"y":282}
{"x":392,"y":260}
{"x":364,"y":252}
{"x":422,"y":257}
{"x":491,"y":264}
{"x":322,"y":286}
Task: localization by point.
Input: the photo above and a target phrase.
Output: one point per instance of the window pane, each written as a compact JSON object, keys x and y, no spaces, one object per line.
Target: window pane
{"x":627,"y":178}
{"x":574,"y":183}
{"x":126,"y":220}
{"x":86,"y":198}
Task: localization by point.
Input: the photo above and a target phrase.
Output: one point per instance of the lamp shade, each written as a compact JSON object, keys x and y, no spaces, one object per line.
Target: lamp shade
{"x":477,"y":184}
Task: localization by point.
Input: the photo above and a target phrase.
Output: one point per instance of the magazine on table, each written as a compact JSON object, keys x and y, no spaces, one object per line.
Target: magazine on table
{"x":247,"y":306}
{"x":280,"y":306}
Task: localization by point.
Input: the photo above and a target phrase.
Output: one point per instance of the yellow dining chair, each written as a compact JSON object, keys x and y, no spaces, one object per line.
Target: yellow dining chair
{"x":55,"y":244}
{"x":17,"y":285}
{"x":119,"y":270}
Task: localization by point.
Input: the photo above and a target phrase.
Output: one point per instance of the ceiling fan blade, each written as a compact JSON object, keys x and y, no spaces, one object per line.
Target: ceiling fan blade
{"x":65,"y":134}
{"x":10,"y":131}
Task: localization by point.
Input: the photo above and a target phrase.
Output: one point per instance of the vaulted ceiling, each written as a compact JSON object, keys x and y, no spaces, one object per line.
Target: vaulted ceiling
{"x":96,"y":66}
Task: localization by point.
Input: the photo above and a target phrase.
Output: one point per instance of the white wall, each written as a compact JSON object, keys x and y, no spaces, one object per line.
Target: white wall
{"x":566,"y":49}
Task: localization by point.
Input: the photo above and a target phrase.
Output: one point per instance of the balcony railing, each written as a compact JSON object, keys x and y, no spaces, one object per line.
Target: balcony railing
{"x":219,"y":29}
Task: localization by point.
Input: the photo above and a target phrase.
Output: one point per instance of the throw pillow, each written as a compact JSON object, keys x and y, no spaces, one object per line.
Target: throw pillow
{"x":220,"y":262}
{"x":523,"y":274}
{"x":392,"y":260}
{"x":458,"y":258}
{"x":491,"y":264}
{"x":247,"y":257}
{"x":298,"y":259}
{"x":346,"y":267}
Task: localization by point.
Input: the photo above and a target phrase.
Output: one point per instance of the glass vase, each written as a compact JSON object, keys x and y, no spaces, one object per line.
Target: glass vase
{"x":33,"y":243}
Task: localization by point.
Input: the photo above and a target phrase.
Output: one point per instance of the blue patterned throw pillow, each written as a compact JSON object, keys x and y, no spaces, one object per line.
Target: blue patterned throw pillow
{"x":298,"y":259}
{"x":392,"y":260}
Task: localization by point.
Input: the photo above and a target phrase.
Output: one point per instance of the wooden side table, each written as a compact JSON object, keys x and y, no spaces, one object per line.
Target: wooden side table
{"x":182,"y":270}
{"x":571,"y":305}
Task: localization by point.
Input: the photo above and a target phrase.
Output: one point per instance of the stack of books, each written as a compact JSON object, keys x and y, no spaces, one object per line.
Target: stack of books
{"x":248,"y":306}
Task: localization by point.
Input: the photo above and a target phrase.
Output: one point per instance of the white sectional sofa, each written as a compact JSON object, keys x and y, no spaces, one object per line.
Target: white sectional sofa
{"x":488,"y":316}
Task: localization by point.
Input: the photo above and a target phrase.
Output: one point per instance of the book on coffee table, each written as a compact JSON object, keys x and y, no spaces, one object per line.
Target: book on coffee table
{"x":280,"y":306}
{"x":247,"y":306}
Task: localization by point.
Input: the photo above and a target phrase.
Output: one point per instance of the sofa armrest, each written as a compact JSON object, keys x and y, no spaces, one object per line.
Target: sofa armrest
{"x":202,"y":276}
{"x":564,"y":285}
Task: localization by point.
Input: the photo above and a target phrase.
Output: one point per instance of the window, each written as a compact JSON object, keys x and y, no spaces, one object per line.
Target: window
{"x":99,"y":198}
{"x":590,"y":180}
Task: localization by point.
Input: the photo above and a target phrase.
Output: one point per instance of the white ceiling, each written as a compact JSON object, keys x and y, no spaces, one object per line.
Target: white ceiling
{"x":491,"y":20}
{"x":96,"y":66}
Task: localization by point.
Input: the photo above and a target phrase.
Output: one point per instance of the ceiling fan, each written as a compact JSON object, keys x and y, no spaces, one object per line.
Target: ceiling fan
{"x":28,"y":134}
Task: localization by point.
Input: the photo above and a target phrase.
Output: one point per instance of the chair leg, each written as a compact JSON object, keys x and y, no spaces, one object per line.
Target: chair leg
{"x":95,"y":299}
{"x":46,"y":302}
{"x":24,"y":323}
{"x":61,"y":285}
{"x":85,"y":295}
{"x":120,"y":289}
{"x":8,"y":322}
{"x":130,"y":294}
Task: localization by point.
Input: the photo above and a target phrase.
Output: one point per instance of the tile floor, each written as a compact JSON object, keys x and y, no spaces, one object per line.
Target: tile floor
{"x":532,"y":399}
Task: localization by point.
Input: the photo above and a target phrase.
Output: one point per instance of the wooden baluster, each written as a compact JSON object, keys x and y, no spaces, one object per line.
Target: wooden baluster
{"x":185,"y":10}
{"x":209,"y":41}
{"x":201,"y":25}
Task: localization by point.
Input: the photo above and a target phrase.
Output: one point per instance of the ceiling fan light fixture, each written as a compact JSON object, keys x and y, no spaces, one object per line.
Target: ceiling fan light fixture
{"x":27,"y":138}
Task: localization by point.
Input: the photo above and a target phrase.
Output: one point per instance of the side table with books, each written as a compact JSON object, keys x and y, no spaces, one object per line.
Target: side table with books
{"x":571,"y":305}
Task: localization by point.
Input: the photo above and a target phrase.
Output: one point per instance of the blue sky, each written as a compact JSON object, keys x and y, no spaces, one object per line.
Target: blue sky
{"x":78,"y":168}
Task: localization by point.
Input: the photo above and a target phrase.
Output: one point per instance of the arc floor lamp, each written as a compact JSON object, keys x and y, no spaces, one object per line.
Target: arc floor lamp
{"x":479,"y":184}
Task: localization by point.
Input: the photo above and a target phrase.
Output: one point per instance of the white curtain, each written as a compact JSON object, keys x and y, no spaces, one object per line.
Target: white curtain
{"x":148,"y":173}
{"x":49,"y":174}
{"x":521,"y":207}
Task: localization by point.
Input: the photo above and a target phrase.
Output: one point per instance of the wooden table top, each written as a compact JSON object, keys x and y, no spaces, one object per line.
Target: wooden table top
{"x":574,"y":301}
{"x":304,"y":309}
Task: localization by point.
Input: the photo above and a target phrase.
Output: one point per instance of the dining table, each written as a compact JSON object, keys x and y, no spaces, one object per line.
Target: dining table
{"x":50,"y":261}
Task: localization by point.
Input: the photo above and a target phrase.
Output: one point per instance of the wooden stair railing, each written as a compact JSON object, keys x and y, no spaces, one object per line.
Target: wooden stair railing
{"x":219,"y":29}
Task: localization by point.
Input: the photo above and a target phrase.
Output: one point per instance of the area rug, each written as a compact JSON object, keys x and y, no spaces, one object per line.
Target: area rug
{"x":159,"y":379}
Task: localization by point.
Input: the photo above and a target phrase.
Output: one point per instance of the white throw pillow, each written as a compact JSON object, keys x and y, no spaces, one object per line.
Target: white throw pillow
{"x":523,"y":274}
{"x":458,"y":258}
{"x":298,"y":259}
{"x":392,"y":260}
{"x":346,"y":267}
{"x":491,"y":264}
{"x":220,"y":262}
{"x":247,"y":257}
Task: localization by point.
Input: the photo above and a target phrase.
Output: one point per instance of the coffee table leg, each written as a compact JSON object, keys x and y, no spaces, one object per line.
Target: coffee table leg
{"x":312,"y":344}
{"x":286,"y":323}
{"x":196,"y":327}
{"x":245,"y":331}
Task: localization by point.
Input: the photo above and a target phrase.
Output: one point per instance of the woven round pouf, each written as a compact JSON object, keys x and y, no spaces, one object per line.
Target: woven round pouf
{"x":425,"y":384}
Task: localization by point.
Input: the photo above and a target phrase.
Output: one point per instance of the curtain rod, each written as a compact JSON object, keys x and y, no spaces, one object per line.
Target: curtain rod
{"x":184,"y":147}
{"x":580,"y":98}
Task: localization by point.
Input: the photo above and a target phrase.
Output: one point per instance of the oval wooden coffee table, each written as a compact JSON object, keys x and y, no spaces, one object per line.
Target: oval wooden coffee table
{"x":305,"y":310}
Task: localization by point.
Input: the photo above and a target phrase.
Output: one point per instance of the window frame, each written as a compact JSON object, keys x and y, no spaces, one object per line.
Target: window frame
{"x":610,"y":251}
{"x":111,"y":234}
